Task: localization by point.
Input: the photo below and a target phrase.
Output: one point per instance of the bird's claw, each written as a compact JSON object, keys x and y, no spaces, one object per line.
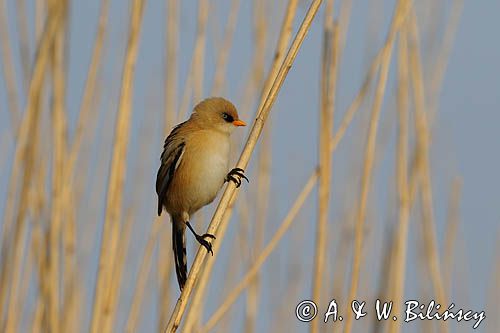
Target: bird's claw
{"x":235,"y":175}
{"x":206,"y":244}
{"x":201,"y":239}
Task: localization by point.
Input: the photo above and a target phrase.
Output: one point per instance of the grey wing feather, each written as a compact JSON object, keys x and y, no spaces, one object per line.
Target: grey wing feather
{"x":170,"y":159}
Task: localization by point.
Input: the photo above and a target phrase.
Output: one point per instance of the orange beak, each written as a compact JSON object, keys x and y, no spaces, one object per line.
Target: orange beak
{"x":239,"y":123}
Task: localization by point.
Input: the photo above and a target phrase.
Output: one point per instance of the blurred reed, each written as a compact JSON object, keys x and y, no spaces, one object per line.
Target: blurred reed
{"x":53,"y":200}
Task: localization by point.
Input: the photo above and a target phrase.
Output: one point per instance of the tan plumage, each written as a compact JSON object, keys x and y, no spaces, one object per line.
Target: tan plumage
{"x":194,"y":166}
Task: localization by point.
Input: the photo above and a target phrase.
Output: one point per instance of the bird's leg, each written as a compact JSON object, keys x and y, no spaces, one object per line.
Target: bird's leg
{"x":201,"y":238}
{"x":235,"y":176}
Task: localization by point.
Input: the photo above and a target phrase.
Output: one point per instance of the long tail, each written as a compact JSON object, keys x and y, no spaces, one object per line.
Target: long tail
{"x":179,"y":247}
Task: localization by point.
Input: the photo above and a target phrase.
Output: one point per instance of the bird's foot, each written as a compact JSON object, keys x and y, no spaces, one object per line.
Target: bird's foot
{"x":201,"y":239}
{"x":236,"y":175}
{"x":206,"y":244}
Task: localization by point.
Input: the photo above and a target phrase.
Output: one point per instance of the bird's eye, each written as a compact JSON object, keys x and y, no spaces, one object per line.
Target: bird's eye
{"x":227,"y":117}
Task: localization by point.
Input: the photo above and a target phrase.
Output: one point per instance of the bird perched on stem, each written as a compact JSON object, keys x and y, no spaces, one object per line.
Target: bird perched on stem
{"x":194,"y":166}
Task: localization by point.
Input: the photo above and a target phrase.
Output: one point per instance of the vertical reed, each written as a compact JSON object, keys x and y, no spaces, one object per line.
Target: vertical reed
{"x":398,"y":17}
{"x":8,"y":69}
{"x":422,"y":133}
{"x":118,"y":164}
{"x":59,"y":141}
{"x":194,"y":81}
{"x":328,"y":78}
{"x":453,"y":220}
{"x":12,"y":253}
{"x":401,"y":235}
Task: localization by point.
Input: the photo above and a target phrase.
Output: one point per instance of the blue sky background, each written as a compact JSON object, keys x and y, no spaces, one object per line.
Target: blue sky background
{"x":465,"y":144}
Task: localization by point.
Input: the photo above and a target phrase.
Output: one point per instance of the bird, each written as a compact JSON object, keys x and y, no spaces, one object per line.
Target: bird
{"x":194,"y":167}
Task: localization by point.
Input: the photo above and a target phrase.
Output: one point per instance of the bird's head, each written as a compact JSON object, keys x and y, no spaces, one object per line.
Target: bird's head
{"x":217,"y":113}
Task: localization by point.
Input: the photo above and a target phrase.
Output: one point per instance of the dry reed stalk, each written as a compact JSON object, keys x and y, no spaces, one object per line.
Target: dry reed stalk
{"x":164,"y":268}
{"x":358,"y":100}
{"x":144,"y":272}
{"x":59,"y":142}
{"x":12,"y":98}
{"x":40,"y":14}
{"x":87,"y":111}
{"x":413,"y":184}
{"x":386,"y":280}
{"x":13,"y":313}
{"x":199,"y":53}
{"x":401,"y":234}
{"x":118,"y":272}
{"x":108,"y":300}
{"x":38,"y":249}
{"x":118,"y":164}
{"x":343,"y":22}
{"x":120,"y":240}
{"x":96,"y":184}
{"x":399,"y":15}
{"x":450,"y":234}
{"x":4,"y":148}
{"x":84,"y":159}
{"x":30,"y":270}
{"x":171,"y":88}
{"x":326,"y":116}
{"x":256,"y":70}
{"x":436,"y":83}
{"x":259,"y":261}
{"x":24,"y":43}
{"x":8,"y":70}
{"x":24,"y":158}
{"x":39,"y":195}
{"x":281,"y":315}
{"x":260,"y":28}
{"x":194,"y":80}
{"x":222,"y":58}
{"x":243,"y":161}
{"x":71,"y":288}
{"x":340,"y":28}
{"x":422,"y":133}
{"x":241,"y":253}
{"x":72,"y":321}
{"x":281,"y":47}
{"x":263,"y":189}
{"x":441,"y":63}
{"x":172,"y":45}
{"x":89,"y":92}
{"x":341,"y":267}
{"x":193,"y":314}
{"x":44,"y":197}
{"x":36,"y":322}
{"x":72,"y":305}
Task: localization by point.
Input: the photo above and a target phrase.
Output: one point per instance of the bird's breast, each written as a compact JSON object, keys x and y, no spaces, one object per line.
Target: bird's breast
{"x":205,"y":165}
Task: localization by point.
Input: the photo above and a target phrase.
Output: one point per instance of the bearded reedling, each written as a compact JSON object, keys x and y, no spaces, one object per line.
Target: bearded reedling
{"x":193,"y":168}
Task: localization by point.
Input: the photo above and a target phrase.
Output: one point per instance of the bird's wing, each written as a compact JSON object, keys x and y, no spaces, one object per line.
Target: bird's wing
{"x":170,"y":160}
